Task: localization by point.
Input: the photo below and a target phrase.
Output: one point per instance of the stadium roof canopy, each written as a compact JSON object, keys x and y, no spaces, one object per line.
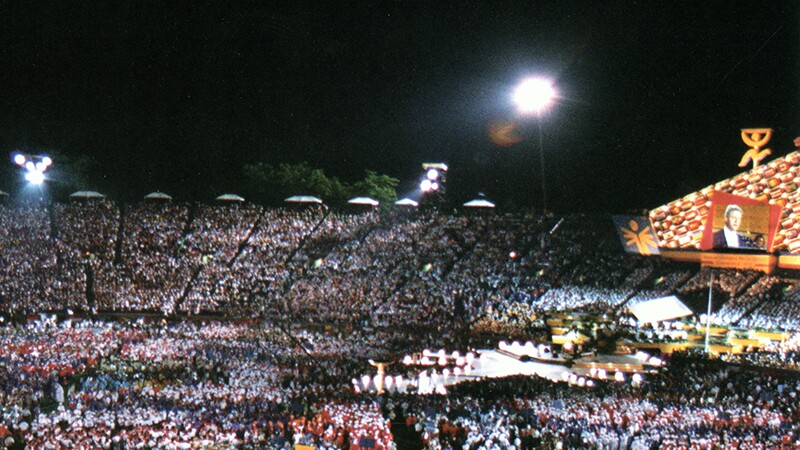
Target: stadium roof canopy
{"x":406,"y":202}
{"x":363,"y":201}
{"x":479,"y":203}
{"x":660,"y":309}
{"x":303,"y":199}
{"x":86,"y":194}
{"x":229,"y":198}
{"x":158,"y":196}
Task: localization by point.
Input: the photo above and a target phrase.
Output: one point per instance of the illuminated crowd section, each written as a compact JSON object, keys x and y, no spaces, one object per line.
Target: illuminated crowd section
{"x":495,"y":272}
{"x":176,"y":325}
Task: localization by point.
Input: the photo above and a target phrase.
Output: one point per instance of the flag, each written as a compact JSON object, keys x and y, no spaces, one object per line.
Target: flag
{"x":636,"y":235}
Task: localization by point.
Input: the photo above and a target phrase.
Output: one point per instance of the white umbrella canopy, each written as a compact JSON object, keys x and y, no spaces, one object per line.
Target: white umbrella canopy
{"x":229,"y":198}
{"x":157,"y":196}
{"x":86,"y":194}
{"x":406,"y":202}
{"x":363,"y":201}
{"x":479,"y":203}
{"x":303,"y":199}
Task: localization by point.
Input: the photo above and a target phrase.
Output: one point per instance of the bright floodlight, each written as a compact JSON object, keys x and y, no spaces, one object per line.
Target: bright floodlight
{"x":425,"y":185}
{"x":34,"y":177}
{"x":533,"y":95}
{"x":432,"y":174}
{"x":34,"y":165}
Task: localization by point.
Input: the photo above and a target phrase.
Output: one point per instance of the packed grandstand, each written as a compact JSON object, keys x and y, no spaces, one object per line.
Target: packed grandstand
{"x":233,"y":325}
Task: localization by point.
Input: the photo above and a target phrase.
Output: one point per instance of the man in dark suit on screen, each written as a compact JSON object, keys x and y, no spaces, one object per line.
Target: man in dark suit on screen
{"x":728,"y":236}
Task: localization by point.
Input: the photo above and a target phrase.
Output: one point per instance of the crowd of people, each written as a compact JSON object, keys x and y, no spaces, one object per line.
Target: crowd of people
{"x":40,"y":271}
{"x":84,"y":384}
{"x":330,"y":266}
{"x":152,"y":271}
{"x":304,"y":298}
{"x":153,"y":384}
{"x":698,"y":404}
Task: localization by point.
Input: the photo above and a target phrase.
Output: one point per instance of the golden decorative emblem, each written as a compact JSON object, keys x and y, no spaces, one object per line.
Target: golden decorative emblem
{"x":643,"y":240}
{"x":755,"y":138}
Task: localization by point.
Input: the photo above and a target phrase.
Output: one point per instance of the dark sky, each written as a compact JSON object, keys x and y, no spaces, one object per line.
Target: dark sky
{"x":178,"y":98}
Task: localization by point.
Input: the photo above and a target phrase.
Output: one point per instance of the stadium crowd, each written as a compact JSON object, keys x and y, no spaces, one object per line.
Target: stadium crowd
{"x":140,"y":384}
{"x":303,"y":299}
{"x":326,"y":266}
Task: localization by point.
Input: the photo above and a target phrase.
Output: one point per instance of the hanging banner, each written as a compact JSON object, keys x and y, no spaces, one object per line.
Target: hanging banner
{"x":636,"y":235}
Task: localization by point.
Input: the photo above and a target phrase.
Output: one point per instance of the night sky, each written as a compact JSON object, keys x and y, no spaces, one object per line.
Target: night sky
{"x":179,"y":98}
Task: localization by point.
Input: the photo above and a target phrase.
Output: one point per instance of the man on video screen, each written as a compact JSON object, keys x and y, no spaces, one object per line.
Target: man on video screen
{"x":729,"y":236}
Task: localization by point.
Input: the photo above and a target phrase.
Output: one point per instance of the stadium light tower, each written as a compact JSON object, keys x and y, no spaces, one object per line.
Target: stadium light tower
{"x":433,"y":184}
{"x":34,"y":166}
{"x":434,"y":178}
{"x":533,"y":96}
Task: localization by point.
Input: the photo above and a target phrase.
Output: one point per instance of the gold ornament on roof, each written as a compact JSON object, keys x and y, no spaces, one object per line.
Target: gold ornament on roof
{"x":755,"y":138}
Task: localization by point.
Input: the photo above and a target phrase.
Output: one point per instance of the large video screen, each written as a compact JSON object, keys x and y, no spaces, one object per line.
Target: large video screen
{"x":740,"y":227}
{"x":738,"y":223}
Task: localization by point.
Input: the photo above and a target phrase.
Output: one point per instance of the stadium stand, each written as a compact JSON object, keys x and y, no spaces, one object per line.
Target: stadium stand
{"x":169,"y":325}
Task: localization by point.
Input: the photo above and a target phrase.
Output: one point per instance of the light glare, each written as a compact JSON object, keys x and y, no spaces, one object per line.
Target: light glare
{"x":34,"y":177}
{"x":35,"y":166}
{"x":425,"y":186}
{"x":533,"y":95}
